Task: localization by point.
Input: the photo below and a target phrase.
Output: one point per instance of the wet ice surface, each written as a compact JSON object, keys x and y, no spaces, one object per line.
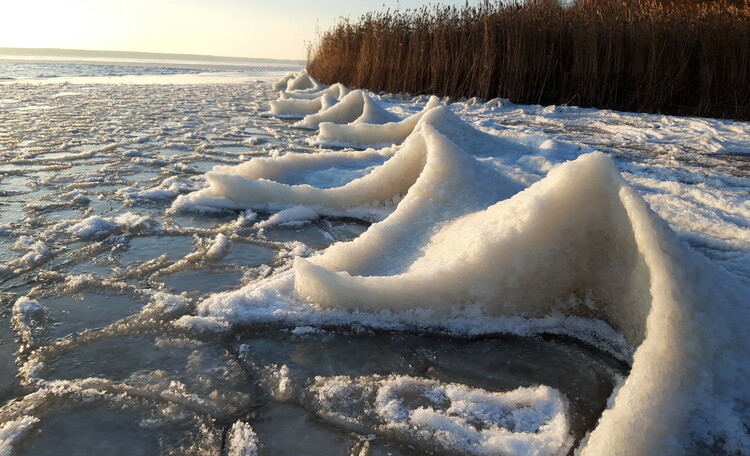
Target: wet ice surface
{"x":86,"y":231}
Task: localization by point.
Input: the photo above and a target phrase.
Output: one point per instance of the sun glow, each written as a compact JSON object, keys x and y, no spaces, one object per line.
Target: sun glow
{"x":195,"y":27}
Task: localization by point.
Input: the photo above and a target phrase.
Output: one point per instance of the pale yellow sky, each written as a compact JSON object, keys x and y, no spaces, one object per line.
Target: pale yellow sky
{"x":242,"y":28}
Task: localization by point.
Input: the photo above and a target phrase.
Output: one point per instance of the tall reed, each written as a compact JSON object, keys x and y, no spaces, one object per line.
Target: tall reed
{"x":690,"y":58}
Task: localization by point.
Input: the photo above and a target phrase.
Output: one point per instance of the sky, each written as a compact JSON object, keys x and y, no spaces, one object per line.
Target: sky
{"x":236,"y":28}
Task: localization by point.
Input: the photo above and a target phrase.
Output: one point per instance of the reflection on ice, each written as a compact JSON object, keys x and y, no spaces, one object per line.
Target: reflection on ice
{"x":249,"y":254}
{"x":107,"y":432}
{"x":289,"y":430}
{"x":148,"y":248}
{"x":71,"y":314}
{"x":202,"y":281}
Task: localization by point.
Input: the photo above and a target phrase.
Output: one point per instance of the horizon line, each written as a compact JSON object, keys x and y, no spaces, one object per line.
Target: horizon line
{"x":33,"y":51}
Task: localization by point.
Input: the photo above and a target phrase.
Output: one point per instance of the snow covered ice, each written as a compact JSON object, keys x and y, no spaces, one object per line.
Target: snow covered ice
{"x":189,"y":272}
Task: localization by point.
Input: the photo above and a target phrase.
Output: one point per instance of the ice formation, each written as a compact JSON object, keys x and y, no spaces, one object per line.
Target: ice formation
{"x":242,"y":440}
{"x":303,"y":82}
{"x":357,"y":107}
{"x":264,"y":303}
{"x":465,"y":238}
{"x":424,"y":160}
{"x":297,"y":109}
{"x":337,"y":91}
{"x":514,"y":423}
{"x":282,"y":83}
{"x":363,"y":135}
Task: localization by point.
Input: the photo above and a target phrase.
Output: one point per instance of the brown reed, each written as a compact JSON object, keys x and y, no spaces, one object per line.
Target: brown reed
{"x":682,"y":57}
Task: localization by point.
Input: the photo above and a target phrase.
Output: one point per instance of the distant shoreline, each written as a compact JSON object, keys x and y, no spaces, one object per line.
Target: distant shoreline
{"x":54,"y":53}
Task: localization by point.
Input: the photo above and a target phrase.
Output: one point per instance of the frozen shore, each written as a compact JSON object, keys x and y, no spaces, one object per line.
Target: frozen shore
{"x":186,"y":272}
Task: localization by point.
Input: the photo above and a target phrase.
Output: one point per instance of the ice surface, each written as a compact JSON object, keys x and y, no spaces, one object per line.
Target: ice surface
{"x":480,"y":256}
{"x":69,"y":314}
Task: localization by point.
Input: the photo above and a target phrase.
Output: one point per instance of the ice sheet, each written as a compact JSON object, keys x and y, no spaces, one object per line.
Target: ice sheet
{"x":492,"y":223}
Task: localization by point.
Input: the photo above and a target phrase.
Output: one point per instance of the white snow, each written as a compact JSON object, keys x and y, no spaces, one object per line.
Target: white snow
{"x":242,"y":440}
{"x":97,"y":226}
{"x":452,"y":417}
{"x":293,"y":214}
{"x":14,"y":430}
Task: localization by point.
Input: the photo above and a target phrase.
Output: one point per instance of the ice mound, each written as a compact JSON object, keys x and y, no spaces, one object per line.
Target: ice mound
{"x":450,"y":418}
{"x":597,"y":251}
{"x":297,"y":109}
{"x":356,"y":108}
{"x":303,"y":81}
{"x":363,"y":135}
{"x":426,"y":158}
{"x":232,"y":187}
{"x":282,"y":83}
{"x":538,"y":225}
{"x":242,"y":440}
{"x":29,"y":319}
{"x":337,"y":91}
{"x":97,"y":226}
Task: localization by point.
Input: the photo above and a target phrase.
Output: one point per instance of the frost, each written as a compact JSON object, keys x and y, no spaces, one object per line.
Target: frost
{"x":242,"y":440}
{"x":218,"y":247}
{"x":14,"y":430}
{"x":449,"y":417}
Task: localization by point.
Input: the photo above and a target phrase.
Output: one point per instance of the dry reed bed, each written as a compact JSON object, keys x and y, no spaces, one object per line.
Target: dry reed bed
{"x":647,"y":58}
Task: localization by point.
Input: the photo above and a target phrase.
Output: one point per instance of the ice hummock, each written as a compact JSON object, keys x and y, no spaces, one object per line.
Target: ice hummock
{"x":337,"y":90}
{"x":303,"y":82}
{"x":425,"y":157}
{"x":579,"y":243}
{"x":356,"y":107}
{"x":297,"y":109}
{"x":364,"y":135}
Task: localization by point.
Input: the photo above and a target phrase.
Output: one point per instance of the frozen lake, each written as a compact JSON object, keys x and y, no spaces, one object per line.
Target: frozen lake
{"x":121,"y":278}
